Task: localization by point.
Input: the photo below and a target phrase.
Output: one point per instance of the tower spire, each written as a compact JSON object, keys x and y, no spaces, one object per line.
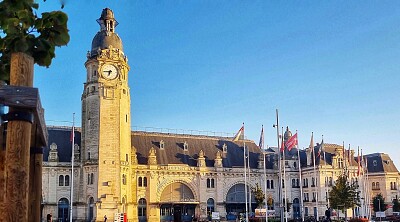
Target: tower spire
{"x":107,"y":21}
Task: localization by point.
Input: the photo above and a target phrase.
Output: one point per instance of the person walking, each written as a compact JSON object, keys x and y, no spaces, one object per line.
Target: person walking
{"x":105,"y":218}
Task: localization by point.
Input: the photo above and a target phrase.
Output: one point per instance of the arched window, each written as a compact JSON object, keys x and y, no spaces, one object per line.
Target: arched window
{"x":293,"y":183}
{"x":377,"y":185}
{"x":66,"y":180}
{"x":145,"y":181}
{"x":61,"y":180}
{"x":140,"y":182}
{"x":142,"y":209}
{"x":212,"y":183}
{"x":297,"y":182}
{"x":210,"y":206}
{"x":373,"y":185}
{"x":268,"y":185}
{"x":272,"y":184}
{"x":313,"y":181}
{"x":208,"y":182}
{"x":88,"y":178}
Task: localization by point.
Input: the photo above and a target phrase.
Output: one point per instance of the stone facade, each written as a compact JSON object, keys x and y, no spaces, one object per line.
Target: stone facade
{"x":150,"y":176}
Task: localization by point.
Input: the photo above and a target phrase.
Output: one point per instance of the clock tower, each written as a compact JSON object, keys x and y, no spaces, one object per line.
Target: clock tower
{"x":106,"y":125}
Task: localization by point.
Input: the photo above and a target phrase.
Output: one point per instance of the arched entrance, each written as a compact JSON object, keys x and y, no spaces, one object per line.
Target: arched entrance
{"x":63,"y":206}
{"x":236,"y":200}
{"x":90,"y":209}
{"x":142,"y":210}
{"x":177,"y":203}
{"x":296,"y":208}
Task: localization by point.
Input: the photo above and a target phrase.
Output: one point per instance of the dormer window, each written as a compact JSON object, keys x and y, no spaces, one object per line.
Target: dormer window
{"x":185,"y":146}
{"x":375,"y":163}
{"x":161,"y":144}
{"x":224,"y":148}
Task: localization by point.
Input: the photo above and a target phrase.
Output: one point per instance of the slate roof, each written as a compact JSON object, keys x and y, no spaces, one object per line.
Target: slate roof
{"x":61,"y":135}
{"x":380,"y":162}
{"x":173,"y":152}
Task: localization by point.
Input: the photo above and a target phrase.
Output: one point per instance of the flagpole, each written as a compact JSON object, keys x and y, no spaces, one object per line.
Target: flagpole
{"x":245,"y":176}
{"x":284,"y":179}
{"x":279,"y":162}
{"x":249,"y":180}
{"x":265,"y":171}
{"x":315,"y":182}
{"x":72,"y":165}
{"x":301,"y":182}
{"x":327,"y":187}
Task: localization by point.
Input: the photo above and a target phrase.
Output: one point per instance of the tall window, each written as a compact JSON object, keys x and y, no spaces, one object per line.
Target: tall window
{"x":272,"y":184}
{"x":210,"y":183}
{"x":91,"y":178}
{"x":61,"y":180}
{"x":67,"y":180}
{"x":123,"y":179}
{"x":268,"y":185}
{"x":140,"y":182}
{"x":145,"y":181}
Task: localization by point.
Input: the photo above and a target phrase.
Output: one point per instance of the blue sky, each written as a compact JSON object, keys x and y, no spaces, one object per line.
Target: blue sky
{"x":330,"y":67}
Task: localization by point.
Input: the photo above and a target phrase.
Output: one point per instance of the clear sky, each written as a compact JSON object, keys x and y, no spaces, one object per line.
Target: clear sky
{"x":330,"y":67}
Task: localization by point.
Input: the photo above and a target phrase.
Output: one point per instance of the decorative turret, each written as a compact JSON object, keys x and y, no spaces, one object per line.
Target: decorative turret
{"x":287,"y":134}
{"x":133,"y":156}
{"x":106,"y":37}
{"x":201,"y":161}
{"x":152,"y":157}
{"x":218,"y":159}
{"x":53,"y":154}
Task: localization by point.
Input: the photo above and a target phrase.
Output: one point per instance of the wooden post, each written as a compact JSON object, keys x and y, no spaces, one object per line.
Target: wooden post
{"x":18,"y":143}
{"x":2,"y":155}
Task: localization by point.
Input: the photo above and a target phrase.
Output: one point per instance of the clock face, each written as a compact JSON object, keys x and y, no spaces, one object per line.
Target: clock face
{"x":109,"y":71}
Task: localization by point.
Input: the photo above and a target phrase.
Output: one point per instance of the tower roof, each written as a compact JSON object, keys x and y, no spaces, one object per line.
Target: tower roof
{"x":106,"y":36}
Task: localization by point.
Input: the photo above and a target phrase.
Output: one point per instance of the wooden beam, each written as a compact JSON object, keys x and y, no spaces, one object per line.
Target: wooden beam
{"x":27,"y":98}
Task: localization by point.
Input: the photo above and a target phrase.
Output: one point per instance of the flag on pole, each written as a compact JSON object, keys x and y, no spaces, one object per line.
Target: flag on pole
{"x":239,"y":135}
{"x":261,"y":143}
{"x":290,"y":143}
{"x":282,"y":143}
{"x":359,"y":162}
{"x":348,"y":156}
{"x":72,"y":134}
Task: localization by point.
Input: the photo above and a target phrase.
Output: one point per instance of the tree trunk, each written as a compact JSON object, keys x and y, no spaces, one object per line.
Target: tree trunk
{"x":18,"y":141}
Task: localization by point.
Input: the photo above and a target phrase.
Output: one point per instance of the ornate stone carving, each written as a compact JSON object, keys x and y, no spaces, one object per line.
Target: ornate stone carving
{"x":152,"y":157}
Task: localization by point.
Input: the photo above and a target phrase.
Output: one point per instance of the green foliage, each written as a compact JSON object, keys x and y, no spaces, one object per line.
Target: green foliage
{"x":21,"y":30}
{"x":344,"y":195}
{"x":258,"y":194}
{"x":396,"y":205}
{"x":378,"y":203}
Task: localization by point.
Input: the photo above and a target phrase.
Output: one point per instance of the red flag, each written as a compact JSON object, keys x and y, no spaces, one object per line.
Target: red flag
{"x":358,"y":160}
{"x":72,"y":134}
{"x":290,"y":143}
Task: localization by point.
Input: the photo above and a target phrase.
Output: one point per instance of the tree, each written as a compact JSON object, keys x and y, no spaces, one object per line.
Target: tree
{"x":344,"y":195}
{"x":396,"y":205}
{"x":378,"y":203}
{"x":23,"y":31}
{"x":258,"y":195}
